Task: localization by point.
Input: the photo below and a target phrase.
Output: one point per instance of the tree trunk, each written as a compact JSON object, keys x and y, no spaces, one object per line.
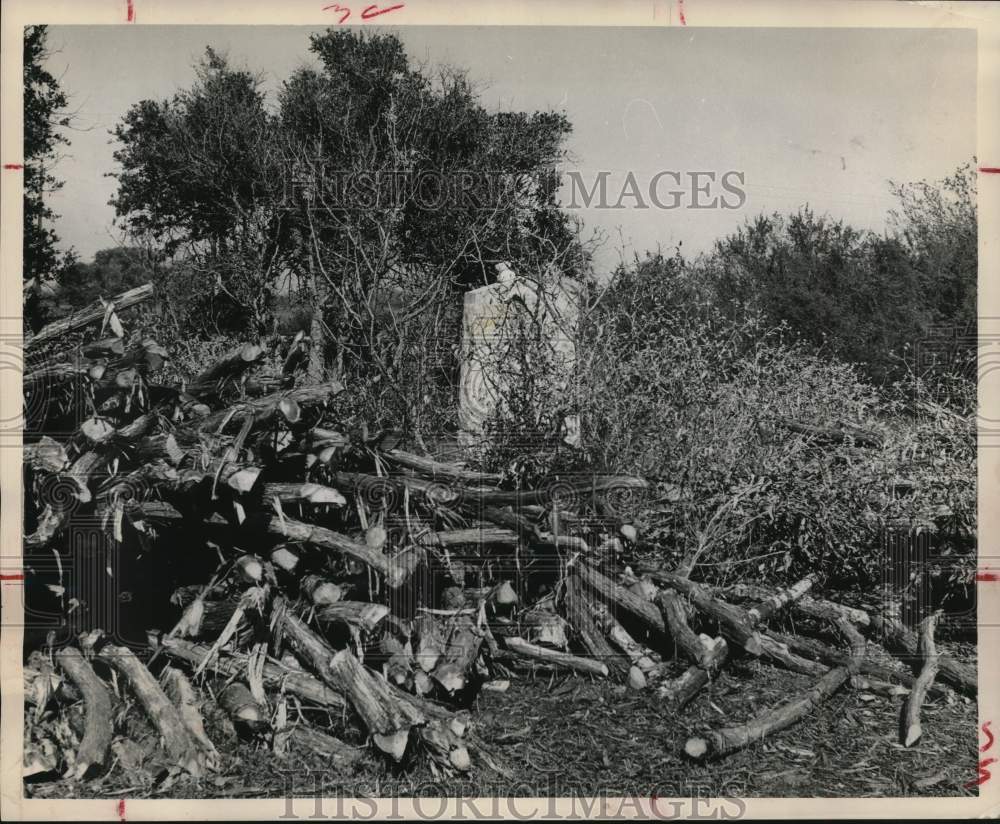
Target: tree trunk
{"x":276,"y":677}
{"x":910,"y":729}
{"x":580,"y":611}
{"x":164,"y":715}
{"x":99,"y":725}
{"x":684,"y":637}
{"x":730,"y":739}
{"x":679,"y":692}
{"x":555,"y":658}
{"x":387,"y":718}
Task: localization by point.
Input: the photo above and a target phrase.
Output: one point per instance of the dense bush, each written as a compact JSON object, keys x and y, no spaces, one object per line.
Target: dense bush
{"x":669,"y":388}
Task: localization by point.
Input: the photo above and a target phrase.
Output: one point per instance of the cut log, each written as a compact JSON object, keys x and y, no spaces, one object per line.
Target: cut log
{"x":461,"y":648}
{"x":555,"y":658}
{"x":227,"y":368}
{"x":550,"y":490}
{"x":546,"y":627}
{"x":276,"y":677}
{"x":910,"y":729}
{"x":99,"y":725}
{"x":581,"y":613}
{"x":440,"y":471}
{"x":337,"y":754}
{"x":47,"y":455}
{"x":479,"y":536}
{"x":779,"y":654}
{"x":684,"y":637}
{"x":818,"y":651}
{"x":621,"y":598}
{"x":733,"y":621}
{"x":680,"y":691}
{"x":387,"y":718}
{"x":265,"y":410}
{"x":361,"y":614}
{"x":180,"y":691}
{"x":328,"y":539}
{"x":163,"y":446}
{"x":56,"y":513}
{"x":398,"y":665}
{"x":307,"y":493}
{"x":720,"y":742}
{"x":92,"y":313}
{"x":261,"y":384}
{"x":779,"y":600}
{"x":636,"y":653}
{"x":901,"y":641}
{"x":176,"y":741}
{"x":431,"y":641}
{"x":858,"y":646}
{"x":320,"y":592}
{"x":806,"y":605}
{"x":242,"y":708}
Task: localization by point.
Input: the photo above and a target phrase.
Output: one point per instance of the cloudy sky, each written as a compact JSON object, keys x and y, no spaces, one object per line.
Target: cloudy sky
{"x":818,"y":116}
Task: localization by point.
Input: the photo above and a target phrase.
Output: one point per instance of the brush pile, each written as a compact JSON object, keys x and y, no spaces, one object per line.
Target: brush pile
{"x":329,"y":591}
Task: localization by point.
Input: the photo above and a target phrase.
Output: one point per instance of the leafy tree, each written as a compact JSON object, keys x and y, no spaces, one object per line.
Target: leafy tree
{"x":200,"y":176}
{"x":416,"y":193}
{"x":375,"y":193}
{"x":44,"y":117}
{"x":865,"y":298}
{"x":111,"y":272}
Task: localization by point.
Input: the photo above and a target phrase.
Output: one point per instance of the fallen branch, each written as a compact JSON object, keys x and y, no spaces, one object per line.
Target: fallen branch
{"x":910,"y":729}
{"x":92,"y":313}
{"x":164,"y":715}
{"x":99,"y":724}
{"x":679,"y":692}
{"x":387,"y":718}
{"x":275,"y":676}
{"x":684,"y":637}
{"x":716,"y":743}
{"x":556,"y":658}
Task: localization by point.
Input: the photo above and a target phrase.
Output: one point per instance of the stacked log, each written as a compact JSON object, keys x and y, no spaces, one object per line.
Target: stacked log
{"x":383,"y":586}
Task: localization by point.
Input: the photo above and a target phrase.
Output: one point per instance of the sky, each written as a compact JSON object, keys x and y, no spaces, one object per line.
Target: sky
{"x":824,"y":117}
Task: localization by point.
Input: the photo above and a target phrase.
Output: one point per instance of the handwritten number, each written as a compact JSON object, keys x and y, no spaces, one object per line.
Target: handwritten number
{"x":367,"y":14}
{"x":336,"y":7}
{"x":375,"y":11}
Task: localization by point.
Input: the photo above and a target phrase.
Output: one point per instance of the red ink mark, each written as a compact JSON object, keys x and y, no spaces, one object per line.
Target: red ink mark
{"x":336,"y":7}
{"x":984,"y":774}
{"x":375,"y":11}
{"x":17,"y":577}
{"x":680,"y":9}
{"x":990,"y":170}
{"x":129,"y":11}
{"x":121,"y":810}
{"x":988,"y":576}
{"x":986,"y":729}
{"x":13,"y":166}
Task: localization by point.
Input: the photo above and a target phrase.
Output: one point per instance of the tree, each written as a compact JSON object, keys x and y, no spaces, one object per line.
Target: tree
{"x":375,"y":194}
{"x":855,"y":294}
{"x":200,"y":177}
{"x":938,"y":225}
{"x":415,"y":193}
{"x":111,"y":272}
{"x":44,"y":117}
